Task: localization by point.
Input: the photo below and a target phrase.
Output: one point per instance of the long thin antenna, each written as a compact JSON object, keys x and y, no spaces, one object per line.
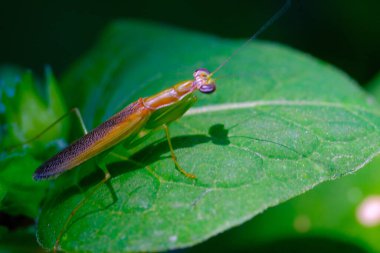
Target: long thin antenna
{"x":276,"y":16}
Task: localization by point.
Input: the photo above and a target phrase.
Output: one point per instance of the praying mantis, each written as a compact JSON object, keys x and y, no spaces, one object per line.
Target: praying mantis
{"x":132,"y":123}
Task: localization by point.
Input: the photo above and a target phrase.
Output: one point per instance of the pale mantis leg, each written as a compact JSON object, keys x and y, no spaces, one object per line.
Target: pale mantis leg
{"x":82,"y":202}
{"x":174,"y":158}
{"x":73,"y":110}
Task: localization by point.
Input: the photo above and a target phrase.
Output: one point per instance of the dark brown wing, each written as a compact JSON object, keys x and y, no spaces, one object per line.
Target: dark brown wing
{"x":123,"y":124}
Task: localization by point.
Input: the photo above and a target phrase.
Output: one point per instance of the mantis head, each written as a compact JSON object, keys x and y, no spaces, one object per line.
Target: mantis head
{"x":203,"y":81}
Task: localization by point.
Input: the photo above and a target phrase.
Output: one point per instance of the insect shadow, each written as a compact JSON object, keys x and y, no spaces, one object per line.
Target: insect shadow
{"x":218,"y":135}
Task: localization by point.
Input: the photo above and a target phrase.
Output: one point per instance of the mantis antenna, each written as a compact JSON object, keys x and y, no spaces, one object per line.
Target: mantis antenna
{"x":276,"y":16}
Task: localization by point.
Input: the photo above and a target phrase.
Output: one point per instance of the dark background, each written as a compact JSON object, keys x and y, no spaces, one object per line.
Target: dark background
{"x":343,"y":32}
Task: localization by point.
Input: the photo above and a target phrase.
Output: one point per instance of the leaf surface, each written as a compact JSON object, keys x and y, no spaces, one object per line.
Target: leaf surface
{"x":338,"y":211}
{"x":279,"y":123}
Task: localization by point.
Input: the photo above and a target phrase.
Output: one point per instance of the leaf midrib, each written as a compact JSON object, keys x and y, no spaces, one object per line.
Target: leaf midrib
{"x":253,"y":104}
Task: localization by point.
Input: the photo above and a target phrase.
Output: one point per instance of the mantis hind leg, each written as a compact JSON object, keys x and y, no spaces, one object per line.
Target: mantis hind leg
{"x":73,"y":110}
{"x":174,"y":157}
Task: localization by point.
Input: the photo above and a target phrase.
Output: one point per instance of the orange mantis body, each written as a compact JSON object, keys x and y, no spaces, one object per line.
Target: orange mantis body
{"x":144,"y":114}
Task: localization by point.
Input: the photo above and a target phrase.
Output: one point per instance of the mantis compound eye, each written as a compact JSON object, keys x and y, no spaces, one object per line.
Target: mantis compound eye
{"x":208,"y":88}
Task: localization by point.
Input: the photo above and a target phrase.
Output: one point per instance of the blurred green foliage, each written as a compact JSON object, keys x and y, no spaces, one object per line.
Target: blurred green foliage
{"x":19,"y":241}
{"x":27,"y":107}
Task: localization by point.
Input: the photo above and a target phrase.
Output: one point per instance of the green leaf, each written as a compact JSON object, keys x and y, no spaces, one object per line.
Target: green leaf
{"x":333,"y":210}
{"x":9,"y":77}
{"x":279,"y":123}
{"x":374,"y":87}
{"x":26,"y":113}
{"x":23,"y":194}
